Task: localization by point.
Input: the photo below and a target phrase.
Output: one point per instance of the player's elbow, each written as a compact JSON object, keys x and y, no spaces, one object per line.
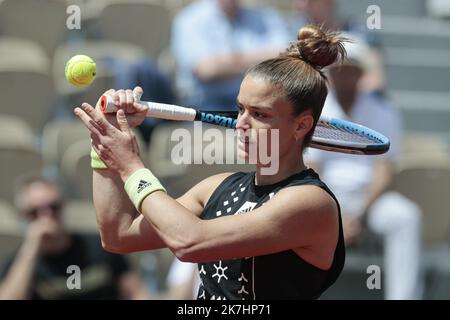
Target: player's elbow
{"x":113,"y":244}
{"x":111,"y":249}
{"x":188,"y":255}
{"x":187,"y":249}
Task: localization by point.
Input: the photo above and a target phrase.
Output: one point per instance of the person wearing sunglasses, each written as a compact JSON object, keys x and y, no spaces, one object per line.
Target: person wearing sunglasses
{"x":39,"y":269}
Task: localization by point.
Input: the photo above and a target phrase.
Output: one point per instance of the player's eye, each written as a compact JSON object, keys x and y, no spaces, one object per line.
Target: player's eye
{"x":260,"y":115}
{"x":240,"y":109}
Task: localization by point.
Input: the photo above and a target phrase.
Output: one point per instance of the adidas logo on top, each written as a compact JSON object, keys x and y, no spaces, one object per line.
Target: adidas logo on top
{"x":142,"y":185}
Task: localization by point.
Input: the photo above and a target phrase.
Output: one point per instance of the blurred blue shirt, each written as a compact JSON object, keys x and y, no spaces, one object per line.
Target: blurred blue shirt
{"x":202,"y":30}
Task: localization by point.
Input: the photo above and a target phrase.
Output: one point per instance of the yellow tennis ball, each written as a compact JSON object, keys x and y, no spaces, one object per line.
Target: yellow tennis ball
{"x":80,"y":70}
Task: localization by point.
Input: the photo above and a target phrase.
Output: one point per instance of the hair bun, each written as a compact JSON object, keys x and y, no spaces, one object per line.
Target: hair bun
{"x":317,"y":47}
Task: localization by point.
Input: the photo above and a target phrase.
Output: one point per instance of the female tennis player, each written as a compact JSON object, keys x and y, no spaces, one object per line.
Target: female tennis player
{"x":254,"y":236}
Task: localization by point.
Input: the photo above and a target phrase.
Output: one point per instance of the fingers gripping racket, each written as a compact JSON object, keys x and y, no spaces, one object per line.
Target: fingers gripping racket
{"x":330,"y":134}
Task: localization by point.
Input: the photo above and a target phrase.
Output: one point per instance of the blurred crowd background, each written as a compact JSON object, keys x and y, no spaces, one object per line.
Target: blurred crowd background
{"x":194,"y":53}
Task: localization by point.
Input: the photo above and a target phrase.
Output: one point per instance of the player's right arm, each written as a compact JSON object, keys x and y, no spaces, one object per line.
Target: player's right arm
{"x":117,"y":218}
{"x":122,"y":228}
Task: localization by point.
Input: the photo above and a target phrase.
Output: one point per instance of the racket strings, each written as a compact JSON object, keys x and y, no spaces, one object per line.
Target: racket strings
{"x":328,"y":131}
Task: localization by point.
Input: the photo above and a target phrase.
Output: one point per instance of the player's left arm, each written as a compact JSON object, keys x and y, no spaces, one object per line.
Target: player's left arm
{"x":295,"y":217}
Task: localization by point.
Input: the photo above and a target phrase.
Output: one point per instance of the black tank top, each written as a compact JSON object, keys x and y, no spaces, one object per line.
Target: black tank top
{"x":282,"y":275}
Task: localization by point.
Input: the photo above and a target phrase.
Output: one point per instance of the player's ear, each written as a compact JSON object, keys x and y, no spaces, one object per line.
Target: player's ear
{"x":304,"y":123}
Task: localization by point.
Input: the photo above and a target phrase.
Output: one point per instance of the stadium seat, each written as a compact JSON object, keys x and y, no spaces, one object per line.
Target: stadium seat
{"x":400,"y":39}
{"x":427,"y":101}
{"x":413,"y":32}
{"x":147,"y":24}
{"x":427,"y":184}
{"x":419,"y":146}
{"x":58,"y":135}
{"x":41,"y":21}
{"x":25,"y":84}
{"x":76,"y":169}
{"x":10,"y":236}
{"x":408,"y":69}
{"x":438,"y":8}
{"x":75,"y":166}
{"x":426,"y":120}
{"x":79,"y":216}
{"x":27,"y":94}
{"x":15,"y":131}
{"x":8,"y":218}
{"x":16,"y":161}
{"x":18,"y":53}
{"x":161,"y":147}
{"x":178,"y":178}
{"x":357,"y":8}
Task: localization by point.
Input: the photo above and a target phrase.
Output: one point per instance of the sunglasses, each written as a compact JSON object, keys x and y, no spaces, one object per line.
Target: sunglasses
{"x":55,"y":207}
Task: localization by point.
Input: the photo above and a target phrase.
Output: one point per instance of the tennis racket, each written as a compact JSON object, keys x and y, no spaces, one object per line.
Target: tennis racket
{"x":330,"y":134}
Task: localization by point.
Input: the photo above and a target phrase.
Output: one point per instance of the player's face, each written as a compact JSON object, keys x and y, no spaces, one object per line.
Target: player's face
{"x":263,"y":107}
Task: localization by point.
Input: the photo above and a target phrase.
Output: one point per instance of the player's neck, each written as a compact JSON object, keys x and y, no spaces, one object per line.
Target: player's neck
{"x":287,"y":166}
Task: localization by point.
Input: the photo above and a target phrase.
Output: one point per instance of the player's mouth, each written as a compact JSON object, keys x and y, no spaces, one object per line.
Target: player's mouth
{"x":244,"y":138}
{"x":245,"y":141}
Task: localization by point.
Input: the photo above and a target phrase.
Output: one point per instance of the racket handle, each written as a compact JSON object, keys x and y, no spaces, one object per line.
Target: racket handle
{"x":155,"y":110}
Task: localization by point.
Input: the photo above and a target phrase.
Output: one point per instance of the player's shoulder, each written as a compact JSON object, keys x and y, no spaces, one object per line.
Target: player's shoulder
{"x":309,"y":205}
{"x":308,"y":196}
{"x":217,"y":179}
{"x":214,"y":181}
{"x":205,"y":188}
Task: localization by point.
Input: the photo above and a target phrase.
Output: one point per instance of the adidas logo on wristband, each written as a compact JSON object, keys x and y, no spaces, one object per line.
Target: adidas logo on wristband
{"x":142,"y":185}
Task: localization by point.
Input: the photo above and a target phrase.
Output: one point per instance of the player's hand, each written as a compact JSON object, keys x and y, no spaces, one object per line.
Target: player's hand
{"x":126,"y":100}
{"x":43,"y":234}
{"x":116,"y":147}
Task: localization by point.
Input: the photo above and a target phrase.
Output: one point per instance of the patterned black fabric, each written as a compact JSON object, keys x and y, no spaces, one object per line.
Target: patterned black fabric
{"x":283,"y":275}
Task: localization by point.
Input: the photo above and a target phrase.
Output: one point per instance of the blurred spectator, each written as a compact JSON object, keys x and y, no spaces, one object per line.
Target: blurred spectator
{"x":362,"y":183}
{"x":322,"y":12}
{"x":38,"y":269}
{"x":316,"y":12}
{"x":214,"y":42}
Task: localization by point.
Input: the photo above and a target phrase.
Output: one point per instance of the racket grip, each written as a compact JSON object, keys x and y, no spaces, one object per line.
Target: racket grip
{"x":155,"y":110}
{"x":107,"y":104}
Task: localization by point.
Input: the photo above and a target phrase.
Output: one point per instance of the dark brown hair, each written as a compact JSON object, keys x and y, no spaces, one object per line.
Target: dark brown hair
{"x":298,"y":71}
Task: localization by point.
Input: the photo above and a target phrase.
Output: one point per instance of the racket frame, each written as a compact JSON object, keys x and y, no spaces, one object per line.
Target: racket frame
{"x":228,"y":119}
